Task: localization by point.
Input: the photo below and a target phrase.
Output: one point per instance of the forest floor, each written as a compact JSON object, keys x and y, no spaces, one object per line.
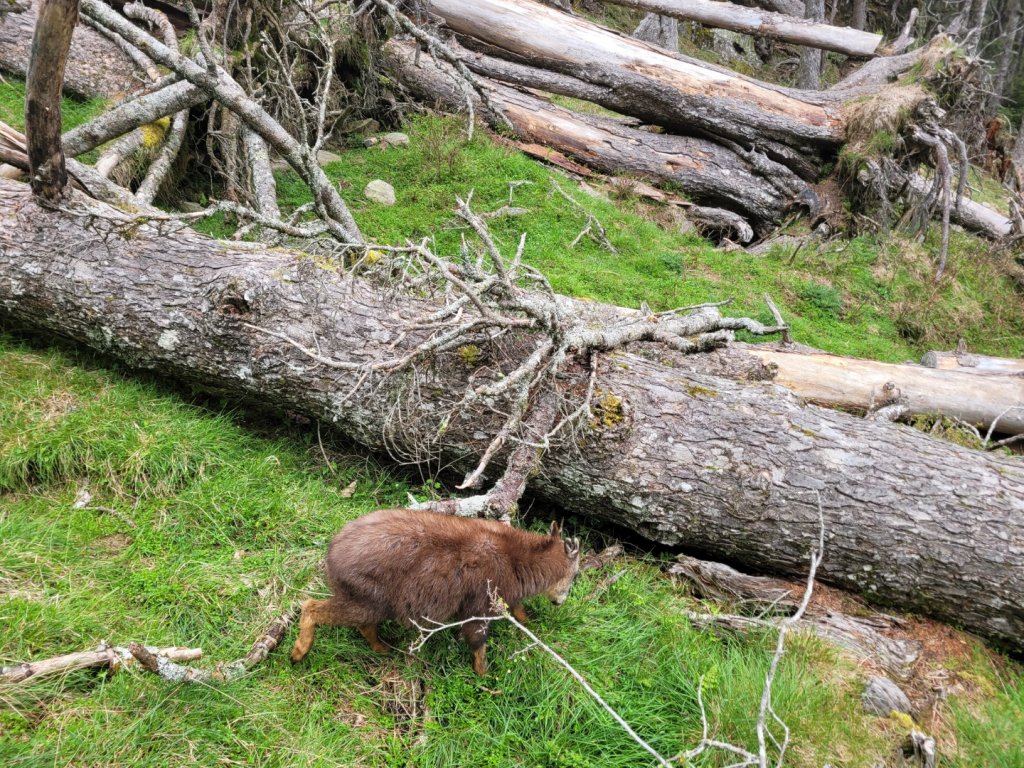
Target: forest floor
{"x":204,"y":520}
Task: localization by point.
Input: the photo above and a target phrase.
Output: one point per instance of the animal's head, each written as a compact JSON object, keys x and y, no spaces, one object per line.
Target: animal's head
{"x":560,"y":589}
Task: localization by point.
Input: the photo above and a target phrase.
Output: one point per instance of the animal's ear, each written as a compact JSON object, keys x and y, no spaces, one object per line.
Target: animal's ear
{"x":572,"y":548}
{"x":556,"y":529}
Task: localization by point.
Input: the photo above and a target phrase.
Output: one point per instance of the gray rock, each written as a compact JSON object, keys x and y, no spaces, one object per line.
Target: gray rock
{"x":882,"y":696}
{"x":734,"y":46}
{"x":189,"y":207}
{"x":396,"y":139}
{"x":380,"y":192}
{"x":371,"y":141}
{"x":323,"y":157}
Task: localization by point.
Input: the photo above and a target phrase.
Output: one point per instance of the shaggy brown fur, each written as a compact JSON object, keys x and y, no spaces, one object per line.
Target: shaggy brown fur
{"x":422,"y":566}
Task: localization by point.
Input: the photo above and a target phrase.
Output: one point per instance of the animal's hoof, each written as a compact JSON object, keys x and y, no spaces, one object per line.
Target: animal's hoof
{"x":379,"y":648}
{"x":297,"y":655}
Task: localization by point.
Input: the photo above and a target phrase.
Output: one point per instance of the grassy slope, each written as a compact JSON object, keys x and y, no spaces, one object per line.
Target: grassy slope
{"x":230,"y":523}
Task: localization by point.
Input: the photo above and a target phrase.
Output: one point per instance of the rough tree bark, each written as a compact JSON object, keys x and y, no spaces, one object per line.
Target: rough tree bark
{"x":1006,"y":60}
{"x":662,"y":31}
{"x":755,"y":21}
{"x":96,"y":67}
{"x":977,"y":14}
{"x":859,"y":14}
{"x":727,"y":468}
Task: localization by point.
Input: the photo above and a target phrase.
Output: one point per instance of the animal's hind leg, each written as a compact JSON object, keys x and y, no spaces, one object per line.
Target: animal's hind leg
{"x":369,"y":631}
{"x":316,"y":612}
{"x":475,"y":633}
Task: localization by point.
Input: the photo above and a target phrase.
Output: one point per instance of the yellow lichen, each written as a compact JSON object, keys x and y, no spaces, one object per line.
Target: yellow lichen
{"x":696,"y":391}
{"x":902,"y":719}
{"x":153,"y":133}
{"x":470,"y":354}
{"x":607,"y":410}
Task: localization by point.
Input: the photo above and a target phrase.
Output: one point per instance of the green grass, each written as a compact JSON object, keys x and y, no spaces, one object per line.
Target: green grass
{"x":201,"y":527}
{"x":74,"y":112}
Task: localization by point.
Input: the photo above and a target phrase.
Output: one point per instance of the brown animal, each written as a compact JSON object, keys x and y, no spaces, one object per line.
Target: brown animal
{"x":423,"y":566}
{"x":998,"y":146}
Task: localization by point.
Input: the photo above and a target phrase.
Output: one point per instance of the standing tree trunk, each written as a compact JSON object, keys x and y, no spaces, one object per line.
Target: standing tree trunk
{"x":731,"y":469}
{"x":1007,"y":58}
{"x":809,"y":74}
{"x":662,"y":31}
{"x":859,"y":14}
{"x":1016,"y":169}
{"x":977,"y":14}
{"x":57,"y":19}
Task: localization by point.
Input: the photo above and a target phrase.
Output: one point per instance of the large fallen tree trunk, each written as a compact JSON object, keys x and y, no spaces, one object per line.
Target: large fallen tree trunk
{"x":846,"y":382}
{"x":663,"y":89}
{"x":722,"y":467}
{"x":96,"y":67}
{"x":708,"y":173}
{"x":756,"y":21}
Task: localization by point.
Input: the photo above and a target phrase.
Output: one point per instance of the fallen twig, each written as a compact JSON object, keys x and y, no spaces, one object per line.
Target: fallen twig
{"x":169,"y":669}
{"x":112,"y":657}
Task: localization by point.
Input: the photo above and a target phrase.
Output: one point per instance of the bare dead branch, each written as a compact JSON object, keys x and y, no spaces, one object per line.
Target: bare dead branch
{"x":112,"y":657}
{"x":467,"y":80}
{"x":170,"y":670}
{"x":222,"y":87}
{"x":592,"y":228}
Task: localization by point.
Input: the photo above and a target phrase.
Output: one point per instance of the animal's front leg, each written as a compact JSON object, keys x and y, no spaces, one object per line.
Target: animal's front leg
{"x":519,"y":614}
{"x":370,"y":633}
{"x":476,"y":635}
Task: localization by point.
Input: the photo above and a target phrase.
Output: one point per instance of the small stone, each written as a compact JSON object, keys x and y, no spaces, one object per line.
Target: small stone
{"x":882,"y":696}
{"x":396,"y":139}
{"x":380,"y":192}
{"x":189,"y":207}
{"x":371,"y":141}
{"x":323,"y":157}
{"x":366,"y":125}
